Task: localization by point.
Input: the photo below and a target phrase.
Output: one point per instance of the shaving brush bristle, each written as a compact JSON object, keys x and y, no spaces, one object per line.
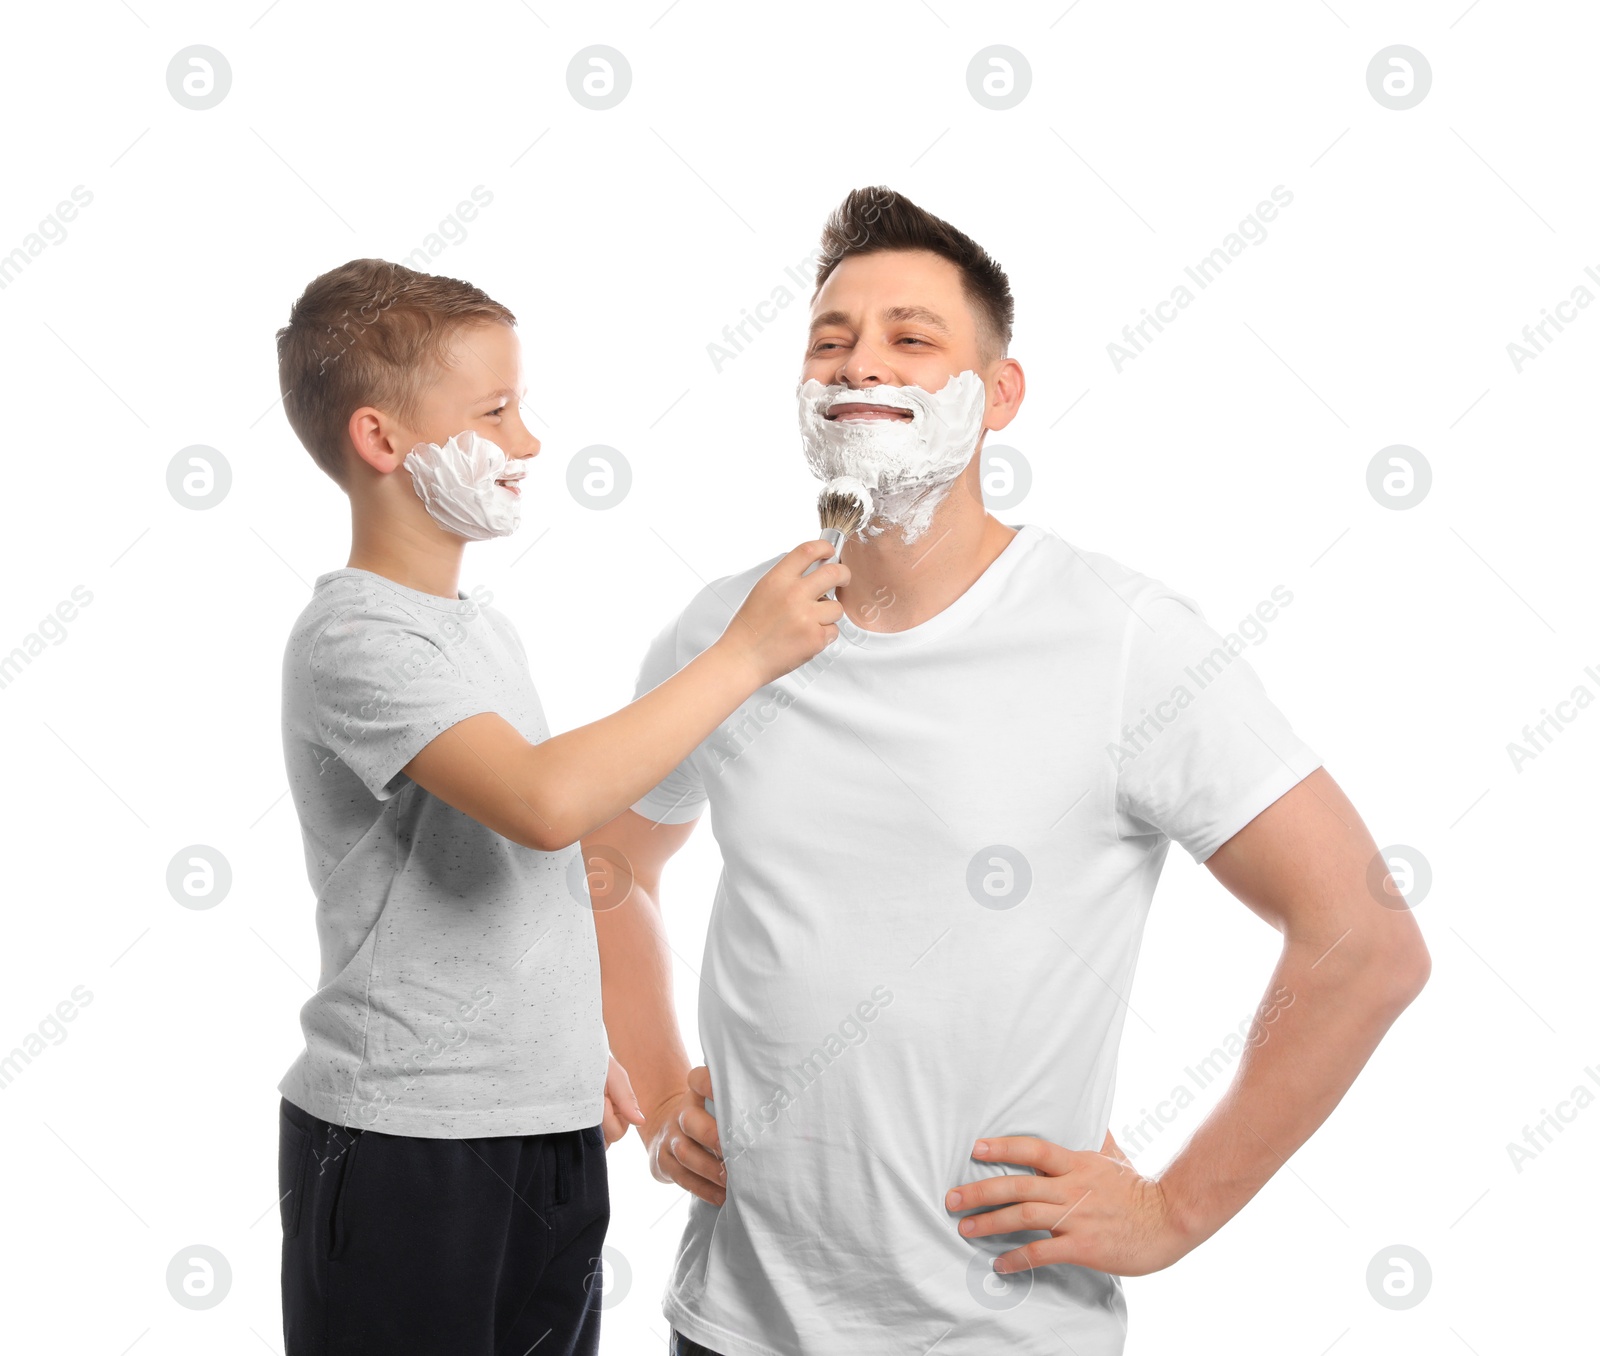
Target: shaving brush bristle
{"x":843,"y":508}
{"x":840,"y":512}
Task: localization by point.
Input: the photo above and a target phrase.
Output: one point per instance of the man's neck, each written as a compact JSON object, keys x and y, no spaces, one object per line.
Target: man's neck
{"x":894,"y":586}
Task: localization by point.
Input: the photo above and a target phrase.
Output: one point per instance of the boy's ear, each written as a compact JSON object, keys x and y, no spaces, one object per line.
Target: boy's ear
{"x":378,"y":440}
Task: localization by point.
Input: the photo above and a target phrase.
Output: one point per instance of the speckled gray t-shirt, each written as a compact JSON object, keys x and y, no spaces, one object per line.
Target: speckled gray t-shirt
{"x":460,"y":986}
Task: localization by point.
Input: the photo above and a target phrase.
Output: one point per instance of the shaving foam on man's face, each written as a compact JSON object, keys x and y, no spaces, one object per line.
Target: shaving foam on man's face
{"x":468,"y":485}
{"x":907,"y":445}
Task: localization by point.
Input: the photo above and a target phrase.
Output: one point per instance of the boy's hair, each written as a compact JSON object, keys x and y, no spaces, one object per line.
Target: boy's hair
{"x":878,"y":218}
{"x":369,"y":333}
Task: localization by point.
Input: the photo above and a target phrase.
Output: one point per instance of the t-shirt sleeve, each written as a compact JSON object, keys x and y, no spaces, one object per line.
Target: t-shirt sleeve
{"x":381,"y":691}
{"x":681,"y":795}
{"x":1201,"y":749}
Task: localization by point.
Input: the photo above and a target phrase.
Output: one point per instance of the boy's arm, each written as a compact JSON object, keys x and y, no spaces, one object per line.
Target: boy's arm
{"x":548,"y":795}
{"x":680,"y":1135}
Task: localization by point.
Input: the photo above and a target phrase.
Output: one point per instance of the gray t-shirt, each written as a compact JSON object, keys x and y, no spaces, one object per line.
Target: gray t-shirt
{"x":460,"y":985}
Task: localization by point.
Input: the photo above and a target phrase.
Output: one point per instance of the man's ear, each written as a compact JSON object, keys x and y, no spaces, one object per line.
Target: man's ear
{"x":377,"y":439}
{"x":1006,"y":389}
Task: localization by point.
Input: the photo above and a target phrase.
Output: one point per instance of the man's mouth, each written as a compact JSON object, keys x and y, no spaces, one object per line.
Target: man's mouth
{"x":856,"y":413}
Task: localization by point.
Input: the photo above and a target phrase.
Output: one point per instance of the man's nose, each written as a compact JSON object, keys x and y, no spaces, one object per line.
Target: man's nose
{"x":861,"y":368}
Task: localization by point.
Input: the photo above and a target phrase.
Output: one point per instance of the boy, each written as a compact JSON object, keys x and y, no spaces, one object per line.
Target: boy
{"x":442,"y":1136}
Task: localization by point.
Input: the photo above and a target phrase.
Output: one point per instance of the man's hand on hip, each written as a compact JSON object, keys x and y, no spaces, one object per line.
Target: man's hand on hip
{"x":1100,"y":1211}
{"x":681,"y":1138}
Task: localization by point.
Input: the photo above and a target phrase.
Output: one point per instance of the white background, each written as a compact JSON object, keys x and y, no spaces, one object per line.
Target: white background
{"x":1230,"y":457}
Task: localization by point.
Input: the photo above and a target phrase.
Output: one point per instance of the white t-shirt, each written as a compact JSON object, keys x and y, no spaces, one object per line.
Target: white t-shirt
{"x":459,"y":992}
{"x":939,"y":848}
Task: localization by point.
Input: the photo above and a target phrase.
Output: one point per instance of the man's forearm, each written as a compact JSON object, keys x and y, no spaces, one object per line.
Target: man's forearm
{"x":636,"y":988}
{"x":1323,"y":1015}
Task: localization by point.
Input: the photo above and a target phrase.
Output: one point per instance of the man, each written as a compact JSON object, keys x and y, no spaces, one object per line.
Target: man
{"x":940,"y":840}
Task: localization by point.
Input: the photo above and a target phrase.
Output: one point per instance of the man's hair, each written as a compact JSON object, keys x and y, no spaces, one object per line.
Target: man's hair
{"x":369,"y":333}
{"x":878,"y":218}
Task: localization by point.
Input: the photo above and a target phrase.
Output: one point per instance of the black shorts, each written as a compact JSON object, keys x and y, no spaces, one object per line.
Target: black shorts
{"x":395,"y":1245}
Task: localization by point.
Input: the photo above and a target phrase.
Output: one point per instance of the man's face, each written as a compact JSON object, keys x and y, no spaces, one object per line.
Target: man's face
{"x":479,"y":390}
{"x":891,"y":318}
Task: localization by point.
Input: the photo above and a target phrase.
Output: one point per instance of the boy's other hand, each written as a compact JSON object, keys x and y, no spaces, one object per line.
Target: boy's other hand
{"x":786,"y":620}
{"x":622,"y":1107}
{"x":681,"y":1137}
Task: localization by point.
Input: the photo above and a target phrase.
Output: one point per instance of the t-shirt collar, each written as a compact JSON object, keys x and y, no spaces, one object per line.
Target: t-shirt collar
{"x":961,"y":610}
{"x":461,"y":603}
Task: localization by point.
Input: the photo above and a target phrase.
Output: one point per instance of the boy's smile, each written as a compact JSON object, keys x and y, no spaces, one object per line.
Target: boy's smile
{"x":514,"y":472}
{"x":481,"y":390}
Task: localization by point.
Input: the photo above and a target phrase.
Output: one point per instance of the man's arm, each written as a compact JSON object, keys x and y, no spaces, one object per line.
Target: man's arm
{"x":680,"y":1135}
{"x":1349,"y":966}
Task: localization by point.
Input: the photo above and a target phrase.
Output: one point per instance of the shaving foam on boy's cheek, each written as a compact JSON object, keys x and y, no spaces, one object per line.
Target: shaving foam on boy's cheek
{"x":908,"y":464}
{"x":459,"y":485}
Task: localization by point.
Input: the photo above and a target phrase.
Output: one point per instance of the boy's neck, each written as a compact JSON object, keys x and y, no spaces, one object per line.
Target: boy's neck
{"x":427,"y":564}
{"x":894,"y":587}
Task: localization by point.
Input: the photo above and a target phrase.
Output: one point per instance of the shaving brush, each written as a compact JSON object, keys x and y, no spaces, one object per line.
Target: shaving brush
{"x":844,"y":506}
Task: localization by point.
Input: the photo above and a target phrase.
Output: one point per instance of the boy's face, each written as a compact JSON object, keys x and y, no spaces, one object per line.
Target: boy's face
{"x":891,"y":318}
{"x":479,"y":390}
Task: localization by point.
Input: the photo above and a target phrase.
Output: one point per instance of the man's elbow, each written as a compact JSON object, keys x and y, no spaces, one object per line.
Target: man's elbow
{"x":1404,"y":973}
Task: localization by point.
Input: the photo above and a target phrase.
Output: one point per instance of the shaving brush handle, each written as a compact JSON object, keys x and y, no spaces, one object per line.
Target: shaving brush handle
{"x":834,"y":536}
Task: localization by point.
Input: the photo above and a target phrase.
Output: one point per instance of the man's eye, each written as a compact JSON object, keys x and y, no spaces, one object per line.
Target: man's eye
{"x":911,"y":339}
